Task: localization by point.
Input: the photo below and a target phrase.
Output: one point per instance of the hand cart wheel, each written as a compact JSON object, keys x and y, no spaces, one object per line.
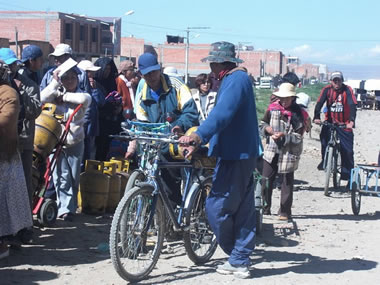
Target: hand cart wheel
{"x":48,"y":213}
{"x":355,"y":198}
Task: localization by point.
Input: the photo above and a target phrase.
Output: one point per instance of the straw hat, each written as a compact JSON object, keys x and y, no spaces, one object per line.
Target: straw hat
{"x":286,"y":90}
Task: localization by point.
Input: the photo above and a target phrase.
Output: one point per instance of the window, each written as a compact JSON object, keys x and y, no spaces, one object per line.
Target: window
{"x":68,"y":31}
{"x":94,"y":34}
{"x":106,"y":40}
{"x":81,"y":33}
{"x":105,"y":27}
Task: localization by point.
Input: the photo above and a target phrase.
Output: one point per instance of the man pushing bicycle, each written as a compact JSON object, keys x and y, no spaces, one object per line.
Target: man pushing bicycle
{"x":341,"y":109}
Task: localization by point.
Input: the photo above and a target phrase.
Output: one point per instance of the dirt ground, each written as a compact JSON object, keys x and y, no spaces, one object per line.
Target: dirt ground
{"x":324,"y":244}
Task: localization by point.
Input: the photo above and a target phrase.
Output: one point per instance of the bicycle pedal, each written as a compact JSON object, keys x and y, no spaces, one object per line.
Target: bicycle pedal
{"x":206,"y":239}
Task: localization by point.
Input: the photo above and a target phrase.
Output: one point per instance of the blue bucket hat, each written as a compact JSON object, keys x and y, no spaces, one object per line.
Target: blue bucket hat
{"x":31,"y":52}
{"x":222,"y":52}
{"x":8,"y":56}
{"x":147,"y":63}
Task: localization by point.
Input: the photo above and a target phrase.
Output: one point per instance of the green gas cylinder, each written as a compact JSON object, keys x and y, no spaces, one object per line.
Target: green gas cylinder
{"x":114,"y":189}
{"x":94,"y":188}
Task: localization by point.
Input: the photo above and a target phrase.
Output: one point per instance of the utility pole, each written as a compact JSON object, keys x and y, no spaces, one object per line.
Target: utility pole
{"x":16,"y":41}
{"x":187,"y":49}
{"x":187,"y":56}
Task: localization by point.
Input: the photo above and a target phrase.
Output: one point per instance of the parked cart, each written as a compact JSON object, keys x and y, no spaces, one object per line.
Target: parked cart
{"x":364,"y":182}
{"x":48,"y":145}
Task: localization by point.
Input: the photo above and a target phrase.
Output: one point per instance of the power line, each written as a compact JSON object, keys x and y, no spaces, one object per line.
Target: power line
{"x":255,"y":37}
{"x":7,"y":5}
{"x":156,"y":27}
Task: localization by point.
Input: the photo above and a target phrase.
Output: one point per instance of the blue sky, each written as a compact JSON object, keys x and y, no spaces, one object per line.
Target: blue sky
{"x":333,"y":32}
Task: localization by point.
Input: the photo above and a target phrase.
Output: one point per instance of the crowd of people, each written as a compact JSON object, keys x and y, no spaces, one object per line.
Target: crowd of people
{"x":223,"y":106}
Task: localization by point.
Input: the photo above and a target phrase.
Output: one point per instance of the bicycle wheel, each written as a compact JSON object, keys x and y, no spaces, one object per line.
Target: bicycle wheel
{"x":356,"y":198}
{"x":200,"y":241}
{"x":137,"y":233}
{"x":135,"y":177}
{"x":337,"y":169}
{"x":328,"y":169}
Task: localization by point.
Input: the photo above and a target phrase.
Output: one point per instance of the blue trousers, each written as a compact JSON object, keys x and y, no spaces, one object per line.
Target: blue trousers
{"x":230,"y":208}
{"x":346,"y":149}
{"x":66,"y":178}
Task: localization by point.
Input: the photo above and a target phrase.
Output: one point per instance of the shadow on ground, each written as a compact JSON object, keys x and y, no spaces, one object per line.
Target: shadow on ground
{"x":346,"y":217}
{"x":304,"y":263}
{"x":25,"y":277}
{"x":84,"y":241}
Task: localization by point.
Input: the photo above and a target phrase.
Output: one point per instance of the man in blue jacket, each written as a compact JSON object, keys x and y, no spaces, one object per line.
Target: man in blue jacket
{"x":232,"y":130}
{"x":164,"y":98}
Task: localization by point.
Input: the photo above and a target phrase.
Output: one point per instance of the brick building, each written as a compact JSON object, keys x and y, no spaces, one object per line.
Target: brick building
{"x":88,"y":36}
{"x":92,"y":37}
{"x":131,"y":48}
{"x":258,"y":63}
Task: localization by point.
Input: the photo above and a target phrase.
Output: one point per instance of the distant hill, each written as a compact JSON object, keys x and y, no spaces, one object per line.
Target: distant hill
{"x":362,"y":72}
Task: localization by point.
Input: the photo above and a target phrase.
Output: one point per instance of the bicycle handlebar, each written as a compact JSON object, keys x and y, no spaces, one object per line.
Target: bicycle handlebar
{"x":147,"y":136}
{"x":326,"y":123}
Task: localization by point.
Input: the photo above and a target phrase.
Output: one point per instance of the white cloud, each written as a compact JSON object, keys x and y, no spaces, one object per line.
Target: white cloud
{"x":344,"y":58}
{"x":301,"y":49}
{"x":375,"y":51}
{"x":306,"y":53}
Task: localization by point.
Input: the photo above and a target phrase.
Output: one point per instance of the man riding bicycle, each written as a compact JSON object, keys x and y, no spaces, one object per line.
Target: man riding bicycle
{"x":341,"y":109}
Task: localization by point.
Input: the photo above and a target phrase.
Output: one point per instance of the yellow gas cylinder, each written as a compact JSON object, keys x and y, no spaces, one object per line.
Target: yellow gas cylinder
{"x":114,"y":189}
{"x":94,"y":188}
{"x":48,"y":131}
{"x":122,"y":167}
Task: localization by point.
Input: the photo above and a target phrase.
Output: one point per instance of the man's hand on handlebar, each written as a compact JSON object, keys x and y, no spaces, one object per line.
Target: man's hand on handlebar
{"x":189,"y":144}
{"x":350,"y":125}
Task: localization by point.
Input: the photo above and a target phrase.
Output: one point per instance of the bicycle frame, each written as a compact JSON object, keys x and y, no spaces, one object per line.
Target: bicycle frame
{"x":156,"y":181}
{"x":333,"y":141}
{"x":153,"y":143}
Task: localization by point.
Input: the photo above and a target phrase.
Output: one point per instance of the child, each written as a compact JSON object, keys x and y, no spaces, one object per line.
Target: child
{"x":64,"y":91}
{"x":91,"y":124}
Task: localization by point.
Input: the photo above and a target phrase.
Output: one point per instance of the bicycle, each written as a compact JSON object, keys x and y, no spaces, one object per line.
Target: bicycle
{"x":332,"y":160}
{"x":146,"y":152}
{"x":138,"y":226}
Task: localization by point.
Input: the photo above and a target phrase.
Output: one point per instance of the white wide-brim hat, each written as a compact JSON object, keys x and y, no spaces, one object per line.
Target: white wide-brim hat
{"x":303,"y":99}
{"x":286,"y":90}
{"x":88,"y":66}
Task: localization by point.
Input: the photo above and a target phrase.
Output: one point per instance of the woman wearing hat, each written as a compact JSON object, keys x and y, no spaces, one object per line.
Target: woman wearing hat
{"x":91,"y":124}
{"x":125,"y":88}
{"x":283,"y":125}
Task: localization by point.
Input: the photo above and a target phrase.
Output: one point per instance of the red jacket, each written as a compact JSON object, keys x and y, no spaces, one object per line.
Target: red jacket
{"x":123,"y":90}
{"x":341,"y":104}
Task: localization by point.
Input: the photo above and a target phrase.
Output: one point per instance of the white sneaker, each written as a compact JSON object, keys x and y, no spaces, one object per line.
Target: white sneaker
{"x":238,"y":271}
